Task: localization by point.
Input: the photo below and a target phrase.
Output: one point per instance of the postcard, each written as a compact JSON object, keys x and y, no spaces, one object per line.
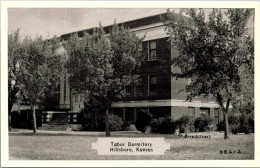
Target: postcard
{"x":127,"y":83}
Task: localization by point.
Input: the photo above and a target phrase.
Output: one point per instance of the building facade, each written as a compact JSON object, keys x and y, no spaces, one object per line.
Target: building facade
{"x":157,"y":91}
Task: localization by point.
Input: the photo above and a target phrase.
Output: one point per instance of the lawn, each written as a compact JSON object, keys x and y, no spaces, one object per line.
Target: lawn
{"x":44,"y":146}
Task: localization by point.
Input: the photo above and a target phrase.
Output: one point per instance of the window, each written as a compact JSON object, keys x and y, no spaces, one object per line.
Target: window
{"x":76,"y":98}
{"x":129,"y":115}
{"x":152,"y":84}
{"x":128,"y":90}
{"x":191,"y":112}
{"x":81,"y":98}
{"x":204,"y":111}
{"x":152,"y":50}
{"x":216,"y":115}
{"x":139,"y":87}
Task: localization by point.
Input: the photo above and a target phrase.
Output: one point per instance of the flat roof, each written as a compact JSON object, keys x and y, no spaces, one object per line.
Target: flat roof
{"x":128,"y":24}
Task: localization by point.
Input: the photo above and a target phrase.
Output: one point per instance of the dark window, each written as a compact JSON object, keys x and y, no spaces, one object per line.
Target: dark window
{"x":129,"y":115}
{"x":81,"y":98}
{"x":159,"y":112}
{"x":76,"y":98}
{"x":139,"y":87}
{"x":152,"y":84}
{"x":152,"y":50}
{"x":128,"y":90}
{"x":191,"y":112}
{"x":216,"y":115}
{"x":118,"y":111}
{"x":204,"y":111}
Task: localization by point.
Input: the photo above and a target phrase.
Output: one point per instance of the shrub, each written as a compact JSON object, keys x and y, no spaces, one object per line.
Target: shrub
{"x":234,"y":123}
{"x":92,"y":120}
{"x":203,"y":123}
{"x":115,"y":122}
{"x":163,"y":125}
{"x":251,"y":123}
{"x":92,"y":117}
{"x":221,"y":126}
{"x":143,"y":120}
{"x":185,"y":124}
{"x":247,"y":123}
{"x":238,"y":123}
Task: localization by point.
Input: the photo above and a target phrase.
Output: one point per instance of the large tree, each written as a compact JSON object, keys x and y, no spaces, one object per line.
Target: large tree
{"x":39,"y":69}
{"x":14,"y":47}
{"x":212,"y":49}
{"x":102,"y":65}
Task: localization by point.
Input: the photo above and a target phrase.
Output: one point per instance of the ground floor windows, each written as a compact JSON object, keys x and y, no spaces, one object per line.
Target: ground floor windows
{"x":205,"y":111}
{"x":216,"y":115}
{"x":130,"y":114}
{"x":158,"y":112}
{"x":152,"y":84}
{"x":191,"y":112}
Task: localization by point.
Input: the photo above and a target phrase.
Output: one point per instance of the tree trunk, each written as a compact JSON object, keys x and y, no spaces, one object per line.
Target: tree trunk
{"x":9,"y":122}
{"x":226,"y":133}
{"x":107,"y":124}
{"x":10,"y":105}
{"x":34,"y":119}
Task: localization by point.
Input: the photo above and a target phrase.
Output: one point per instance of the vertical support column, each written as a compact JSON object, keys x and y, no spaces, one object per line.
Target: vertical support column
{"x":134,"y":115}
{"x":123,"y":113}
{"x":61,"y":89}
{"x":67,"y":97}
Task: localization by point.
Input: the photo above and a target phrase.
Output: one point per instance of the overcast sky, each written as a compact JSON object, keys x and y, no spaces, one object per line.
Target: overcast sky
{"x":57,"y":21}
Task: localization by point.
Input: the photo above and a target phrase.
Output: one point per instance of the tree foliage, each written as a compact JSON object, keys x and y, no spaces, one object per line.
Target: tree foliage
{"x":212,"y":51}
{"x":102,"y":65}
{"x":35,"y":67}
{"x":13,"y":69}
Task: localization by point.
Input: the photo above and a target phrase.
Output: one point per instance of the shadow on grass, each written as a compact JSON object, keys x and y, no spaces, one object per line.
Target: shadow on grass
{"x":50,"y":134}
{"x":41,"y":134}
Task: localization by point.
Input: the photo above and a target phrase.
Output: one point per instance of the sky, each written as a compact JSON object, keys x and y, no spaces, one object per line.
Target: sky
{"x":57,"y":21}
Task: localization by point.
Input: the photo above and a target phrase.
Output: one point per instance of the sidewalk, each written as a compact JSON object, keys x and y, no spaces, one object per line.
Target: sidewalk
{"x":21,"y":131}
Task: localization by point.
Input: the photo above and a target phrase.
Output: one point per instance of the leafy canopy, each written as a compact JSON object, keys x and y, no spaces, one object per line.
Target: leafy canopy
{"x":103,"y":64}
{"x":39,"y":67}
{"x":211,"y":50}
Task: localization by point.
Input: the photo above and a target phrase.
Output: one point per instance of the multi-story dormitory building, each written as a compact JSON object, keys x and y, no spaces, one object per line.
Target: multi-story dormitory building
{"x":157,"y":91}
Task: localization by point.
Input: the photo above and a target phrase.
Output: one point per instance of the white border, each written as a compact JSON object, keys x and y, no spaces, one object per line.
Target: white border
{"x":120,"y":4}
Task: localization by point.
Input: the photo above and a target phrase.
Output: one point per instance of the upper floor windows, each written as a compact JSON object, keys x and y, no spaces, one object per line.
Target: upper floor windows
{"x":128,"y":90}
{"x":151,"y":50}
{"x":139,"y":87}
{"x":152,"y":84}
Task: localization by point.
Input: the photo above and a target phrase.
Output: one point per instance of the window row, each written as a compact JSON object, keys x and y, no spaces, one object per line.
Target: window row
{"x":78,"y":98}
{"x":152,"y":46}
{"x":138,"y":89}
{"x":204,"y":111}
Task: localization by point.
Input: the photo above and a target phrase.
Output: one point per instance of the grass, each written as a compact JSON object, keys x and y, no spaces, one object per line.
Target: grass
{"x":44,"y":146}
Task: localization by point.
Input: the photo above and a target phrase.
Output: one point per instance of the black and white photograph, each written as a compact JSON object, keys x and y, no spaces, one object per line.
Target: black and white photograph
{"x":107,"y":83}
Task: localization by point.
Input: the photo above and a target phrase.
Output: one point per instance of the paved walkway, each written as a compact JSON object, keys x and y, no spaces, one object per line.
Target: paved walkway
{"x":19,"y":131}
